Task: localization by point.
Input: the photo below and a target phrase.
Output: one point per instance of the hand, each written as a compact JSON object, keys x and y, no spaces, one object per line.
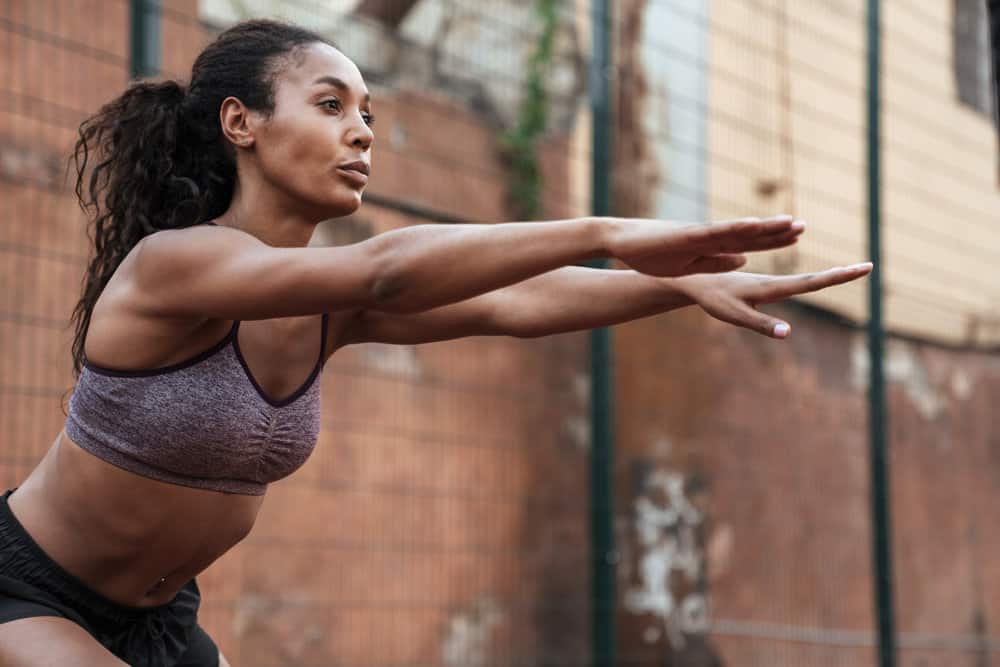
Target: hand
{"x":734,"y":297}
{"x":662,"y":248}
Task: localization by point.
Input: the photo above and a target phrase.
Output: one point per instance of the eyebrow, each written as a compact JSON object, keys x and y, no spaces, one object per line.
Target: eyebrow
{"x":338,"y":83}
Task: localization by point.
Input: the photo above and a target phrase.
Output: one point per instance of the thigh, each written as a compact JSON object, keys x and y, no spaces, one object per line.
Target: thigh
{"x":47,"y":641}
{"x":201,"y":651}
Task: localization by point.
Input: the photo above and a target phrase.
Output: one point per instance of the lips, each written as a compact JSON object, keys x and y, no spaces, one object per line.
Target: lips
{"x":356,"y":172}
{"x":359,"y":165}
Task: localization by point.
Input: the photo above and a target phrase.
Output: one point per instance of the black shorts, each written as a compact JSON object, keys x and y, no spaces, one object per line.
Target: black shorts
{"x":32,"y":584}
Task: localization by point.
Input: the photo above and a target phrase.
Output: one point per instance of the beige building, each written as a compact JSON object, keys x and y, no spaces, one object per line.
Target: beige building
{"x":787,"y":132}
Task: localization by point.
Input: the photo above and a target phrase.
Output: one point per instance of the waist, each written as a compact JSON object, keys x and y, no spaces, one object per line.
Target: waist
{"x":134,"y":540}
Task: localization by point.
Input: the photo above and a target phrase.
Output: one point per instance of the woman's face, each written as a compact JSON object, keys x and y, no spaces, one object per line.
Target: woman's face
{"x":316,"y":146}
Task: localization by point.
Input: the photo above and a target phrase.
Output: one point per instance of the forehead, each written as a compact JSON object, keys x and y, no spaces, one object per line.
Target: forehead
{"x":315,"y":61}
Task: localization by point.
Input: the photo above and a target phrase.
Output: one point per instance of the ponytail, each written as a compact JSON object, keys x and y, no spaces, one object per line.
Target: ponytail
{"x":155,"y":158}
{"x":140,"y":182}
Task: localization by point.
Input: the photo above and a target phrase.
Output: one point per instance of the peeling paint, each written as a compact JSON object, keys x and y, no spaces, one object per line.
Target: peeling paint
{"x":961,"y":384}
{"x":395,"y":359}
{"x":720,"y":551}
{"x":24,"y":164}
{"x":576,"y":427}
{"x":469,"y":634}
{"x":666,"y":524}
{"x":581,"y":388}
{"x":662,"y":447}
{"x":255,"y":612}
{"x":251,"y":608}
{"x":903,"y":367}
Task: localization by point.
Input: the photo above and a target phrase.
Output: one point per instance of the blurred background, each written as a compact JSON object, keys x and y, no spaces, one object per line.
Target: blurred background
{"x":449,"y":515}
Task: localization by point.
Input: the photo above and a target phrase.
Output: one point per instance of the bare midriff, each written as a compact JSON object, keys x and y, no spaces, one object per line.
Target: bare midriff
{"x":134,"y":540}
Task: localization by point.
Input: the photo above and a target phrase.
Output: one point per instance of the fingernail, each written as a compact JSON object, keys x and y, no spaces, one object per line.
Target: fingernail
{"x":799,"y":224}
{"x":781,"y":330}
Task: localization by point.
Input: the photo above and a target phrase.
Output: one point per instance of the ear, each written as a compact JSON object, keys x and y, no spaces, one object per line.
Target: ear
{"x":237,"y":123}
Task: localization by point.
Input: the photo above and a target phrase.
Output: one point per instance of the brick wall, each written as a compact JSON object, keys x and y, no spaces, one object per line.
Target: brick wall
{"x":742,"y":487}
{"x":442,"y":518}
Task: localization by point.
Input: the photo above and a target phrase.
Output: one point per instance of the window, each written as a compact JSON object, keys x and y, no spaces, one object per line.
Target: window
{"x":973,"y":73}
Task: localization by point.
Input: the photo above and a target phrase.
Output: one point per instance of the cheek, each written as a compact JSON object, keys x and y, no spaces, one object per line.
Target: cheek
{"x":300,"y":161}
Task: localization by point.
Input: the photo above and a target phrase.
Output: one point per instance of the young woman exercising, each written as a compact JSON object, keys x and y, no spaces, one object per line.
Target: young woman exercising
{"x":205,"y":321}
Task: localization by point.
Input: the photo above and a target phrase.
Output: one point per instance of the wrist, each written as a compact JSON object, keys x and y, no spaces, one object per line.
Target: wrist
{"x":688,"y":287}
{"x":679,"y":292}
{"x":604,"y":231}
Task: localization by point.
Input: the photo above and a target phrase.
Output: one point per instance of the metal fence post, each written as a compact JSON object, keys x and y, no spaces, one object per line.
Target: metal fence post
{"x":601,"y":395}
{"x":881,"y":526}
{"x":144,"y":51}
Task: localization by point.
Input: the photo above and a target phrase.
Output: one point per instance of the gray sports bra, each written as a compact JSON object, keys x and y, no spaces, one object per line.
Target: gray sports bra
{"x":204,"y":422}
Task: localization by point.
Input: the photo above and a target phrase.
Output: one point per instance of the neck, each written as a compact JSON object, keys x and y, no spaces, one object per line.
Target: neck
{"x":266,"y":219}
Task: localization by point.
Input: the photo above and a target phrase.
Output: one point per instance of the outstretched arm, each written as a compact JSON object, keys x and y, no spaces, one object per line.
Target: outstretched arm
{"x":228,"y":274}
{"x":577,"y":298}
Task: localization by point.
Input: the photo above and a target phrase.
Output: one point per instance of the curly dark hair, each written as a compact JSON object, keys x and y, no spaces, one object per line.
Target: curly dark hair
{"x":160,"y":160}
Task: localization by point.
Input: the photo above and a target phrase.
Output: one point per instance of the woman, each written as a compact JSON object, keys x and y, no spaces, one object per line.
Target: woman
{"x":205,"y":321}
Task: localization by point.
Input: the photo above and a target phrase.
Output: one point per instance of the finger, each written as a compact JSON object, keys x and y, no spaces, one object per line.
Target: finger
{"x":784,"y":287}
{"x":795,"y":229}
{"x":768,"y":242}
{"x":743,"y":315}
{"x":775,"y":224}
{"x":781,"y":219}
{"x":716,"y":263}
{"x":740,"y":235}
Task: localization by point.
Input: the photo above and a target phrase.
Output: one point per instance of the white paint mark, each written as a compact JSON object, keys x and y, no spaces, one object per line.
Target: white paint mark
{"x":720,"y":551}
{"x":395,"y":359}
{"x":250,"y":608}
{"x":662,"y":447}
{"x":961,"y":384}
{"x":581,"y":388}
{"x":577,"y":429}
{"x":902,"y":366}
{"x":469,"y":633}
{"x":667,"y":544}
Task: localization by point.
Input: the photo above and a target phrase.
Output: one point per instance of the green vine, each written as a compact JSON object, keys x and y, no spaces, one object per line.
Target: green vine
{"x":519,"y":145}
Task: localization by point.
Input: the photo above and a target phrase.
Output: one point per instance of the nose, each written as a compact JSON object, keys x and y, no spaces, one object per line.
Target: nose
{"x":359,"y":134}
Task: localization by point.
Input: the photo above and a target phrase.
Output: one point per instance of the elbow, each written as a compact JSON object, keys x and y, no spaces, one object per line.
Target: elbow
{"x":391,"y":290}
{"x":386,"y":279}
{"x":385,"y":293}
{"x":514,"y":323}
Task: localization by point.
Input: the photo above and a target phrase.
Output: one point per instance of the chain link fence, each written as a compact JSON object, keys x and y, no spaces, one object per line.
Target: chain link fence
{"x":444,"y":518}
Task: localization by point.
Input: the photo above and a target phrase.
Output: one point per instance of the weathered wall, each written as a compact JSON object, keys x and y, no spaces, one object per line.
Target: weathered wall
{"x":443,"y":516}
{"x":743,"y":494}
{"x":742,"y":463}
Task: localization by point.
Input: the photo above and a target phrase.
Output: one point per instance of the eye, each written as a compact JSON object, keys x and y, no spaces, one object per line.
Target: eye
{"x":332,"y":104}
{"x":369,"y":118}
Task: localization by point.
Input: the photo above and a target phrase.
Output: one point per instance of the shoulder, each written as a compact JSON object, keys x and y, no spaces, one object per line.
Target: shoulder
{"x":187,"y":248}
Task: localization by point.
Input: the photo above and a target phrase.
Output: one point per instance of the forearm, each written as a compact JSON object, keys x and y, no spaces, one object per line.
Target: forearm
{"x":577,"y":298}
{"x":426,"y":266}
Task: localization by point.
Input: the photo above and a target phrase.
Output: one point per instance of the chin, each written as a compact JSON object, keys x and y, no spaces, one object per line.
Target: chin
{"x":344,"y":205}
{"x":353,"y":205}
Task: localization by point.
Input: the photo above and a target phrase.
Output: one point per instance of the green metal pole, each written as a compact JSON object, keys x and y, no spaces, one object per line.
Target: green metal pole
{"x":881,"y":527}
{"x":145,"y":38}
{"x":993,"y":11}
{"x":601,"y":406}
